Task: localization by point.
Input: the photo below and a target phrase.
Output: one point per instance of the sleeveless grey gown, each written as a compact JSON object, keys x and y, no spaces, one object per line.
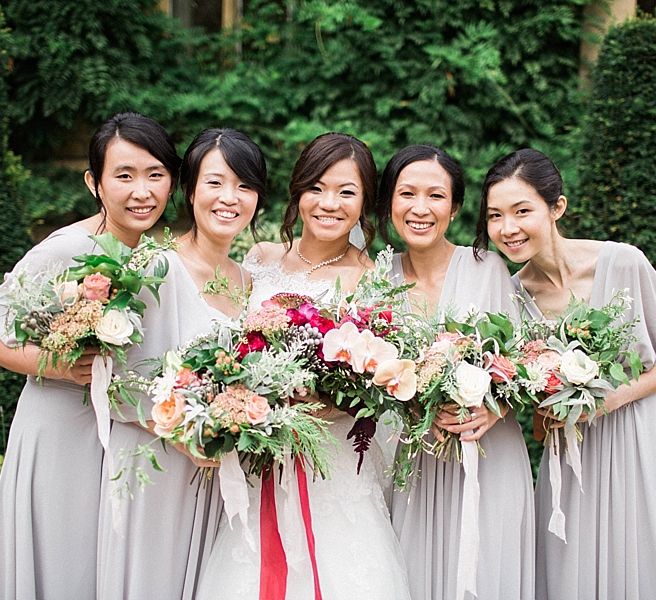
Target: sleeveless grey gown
{"x":427,"y":518}
{"x":611,"y":526}
{"x":50,"y":480}
{"x":158,"y":549}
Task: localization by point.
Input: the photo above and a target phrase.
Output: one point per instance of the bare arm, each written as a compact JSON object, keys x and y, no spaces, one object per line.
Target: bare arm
{"x":25,"y":360}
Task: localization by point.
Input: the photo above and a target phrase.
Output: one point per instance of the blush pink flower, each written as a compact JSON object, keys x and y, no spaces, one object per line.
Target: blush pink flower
{"x":370,"y":351}
{"x":338,"y":344}
{"x":499,"y":367}
{"x":549,"y":359}
{"x":257,"y":409}
{"x":185,"y":378}
{"x":168,"y":414}
{"x":554,"y":384}
{"x":398,"y":377}
{"x":96,"y":287}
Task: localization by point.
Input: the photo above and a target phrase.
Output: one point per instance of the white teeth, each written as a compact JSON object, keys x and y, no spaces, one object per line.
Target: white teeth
{"x":328,"y":220}
{"x":226,"y":214}
{"x":416,"y":225}
{"x":142,"y":210}
{"x":515,"y":244}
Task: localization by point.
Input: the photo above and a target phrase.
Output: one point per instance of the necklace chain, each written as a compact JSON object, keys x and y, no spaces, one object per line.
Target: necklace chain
{"x":323,"y":263}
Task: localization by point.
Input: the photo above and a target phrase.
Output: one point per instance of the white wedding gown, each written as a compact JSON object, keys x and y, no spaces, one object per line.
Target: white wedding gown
{"x":357,"y":553}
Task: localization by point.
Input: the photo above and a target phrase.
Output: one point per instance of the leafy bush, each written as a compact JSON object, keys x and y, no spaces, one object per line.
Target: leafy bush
{"x":617,"y":160}
{"x":13,"y":233}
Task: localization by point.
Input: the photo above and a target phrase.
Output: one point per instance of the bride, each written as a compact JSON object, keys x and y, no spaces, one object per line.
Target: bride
{"x":357,"y":554}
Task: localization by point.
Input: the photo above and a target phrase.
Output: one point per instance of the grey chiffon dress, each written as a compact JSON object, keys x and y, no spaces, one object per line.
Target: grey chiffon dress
{"x":157,"y":547}
{"x":50,"y":480}
{"x":427,"y":517}
{"x":610,"y":526}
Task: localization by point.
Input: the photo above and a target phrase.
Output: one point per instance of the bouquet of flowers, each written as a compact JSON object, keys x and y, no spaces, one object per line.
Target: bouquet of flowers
{"x":220,"y":393}
{"x":567,"y":368}
{"x":92,"y":304}
{"x":365,"y":364}
{"x":467,"y":364}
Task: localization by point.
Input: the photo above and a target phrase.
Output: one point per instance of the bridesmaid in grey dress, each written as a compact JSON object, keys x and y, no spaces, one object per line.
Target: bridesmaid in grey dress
{"x":157,"y":546}
{"x":50,"y":481}
{"x":422,"y":189}
{"x":611,"y":524}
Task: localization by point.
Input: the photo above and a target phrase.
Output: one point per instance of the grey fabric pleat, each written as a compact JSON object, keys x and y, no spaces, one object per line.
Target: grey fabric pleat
{"x":50,"y":480}
{"x":157,"y":548}
{"x":611,"y":524}
{"x":427,"y":518}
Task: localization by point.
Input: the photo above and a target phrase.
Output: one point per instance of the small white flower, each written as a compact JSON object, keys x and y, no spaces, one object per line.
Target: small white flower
{"x":115,"y":328}
{"x":577,"y":367}
{"x":162,"y":386}
{"x":536,"y":377}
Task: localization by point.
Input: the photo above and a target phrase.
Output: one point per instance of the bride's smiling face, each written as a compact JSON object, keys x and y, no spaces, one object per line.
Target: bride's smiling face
{"x":333,"y":205}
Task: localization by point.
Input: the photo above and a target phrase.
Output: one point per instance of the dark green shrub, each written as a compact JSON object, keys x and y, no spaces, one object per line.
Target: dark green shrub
{"x":14,"y":239}
{"x":617,"y":193}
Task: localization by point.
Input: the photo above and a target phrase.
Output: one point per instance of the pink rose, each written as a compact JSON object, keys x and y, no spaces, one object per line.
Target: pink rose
{"x":96,"y":287}
{"x":185,"y":378}
{"x":554,"y":384}
{"x":168,"y":414}
{"x":500,"y":368}
{"x":257,"y":409}
{"x":549,"y":359}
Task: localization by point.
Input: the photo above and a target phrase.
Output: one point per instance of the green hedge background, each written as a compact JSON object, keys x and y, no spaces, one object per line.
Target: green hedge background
{"x":478,"y":78}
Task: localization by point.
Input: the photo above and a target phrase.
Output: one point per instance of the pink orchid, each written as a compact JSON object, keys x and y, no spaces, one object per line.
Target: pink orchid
{"x":338,"y":344}
{"x":370,"y":351}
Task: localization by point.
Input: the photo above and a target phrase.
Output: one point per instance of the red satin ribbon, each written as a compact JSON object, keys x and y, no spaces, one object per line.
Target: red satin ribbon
{"x":273,"y":561}
{"x":307,"y":521}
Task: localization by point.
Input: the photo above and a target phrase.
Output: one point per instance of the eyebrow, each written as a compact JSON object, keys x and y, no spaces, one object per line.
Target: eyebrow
{"x":511,"y":206}
{"x":133,"y":168}
{"x":430,"y":187}
{"x":348,"y":183}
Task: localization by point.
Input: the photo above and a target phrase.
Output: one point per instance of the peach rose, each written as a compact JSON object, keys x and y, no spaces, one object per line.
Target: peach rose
{"x":168,"y":414}
{"x":96,"y":287}
{"x":257,"y":409}
{"x":500,"y":368}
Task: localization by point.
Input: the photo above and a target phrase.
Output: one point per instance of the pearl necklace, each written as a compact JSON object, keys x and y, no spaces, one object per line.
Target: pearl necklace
{"x":323,"y":263}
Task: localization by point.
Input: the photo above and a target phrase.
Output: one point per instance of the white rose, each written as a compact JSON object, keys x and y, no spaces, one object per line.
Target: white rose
{"x":114,"y":328}
{"x":577,"y":367}
{"x":472,"y":384}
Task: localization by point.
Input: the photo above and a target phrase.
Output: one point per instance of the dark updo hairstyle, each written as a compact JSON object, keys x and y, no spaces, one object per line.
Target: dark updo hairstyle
{"x":317,"y":157}
{"x":533,"y":168}
{"x":138,"y":130}
{"x":400,"y":161}
{"x":241,"y":154}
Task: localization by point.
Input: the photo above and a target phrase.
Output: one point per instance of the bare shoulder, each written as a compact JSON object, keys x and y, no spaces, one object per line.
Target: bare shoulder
{"x":267,"y":252}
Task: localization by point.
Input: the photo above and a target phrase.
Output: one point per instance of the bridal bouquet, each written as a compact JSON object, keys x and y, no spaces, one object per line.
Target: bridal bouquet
{"x":221,"y":393}
{"x":367,"y":367}
{"x":567,"y":369}
{"x":94,"y":303}
{"x":466,"y":364}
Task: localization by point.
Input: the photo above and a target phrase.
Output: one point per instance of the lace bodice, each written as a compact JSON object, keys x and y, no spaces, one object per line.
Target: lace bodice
{"x":270,"y":279}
